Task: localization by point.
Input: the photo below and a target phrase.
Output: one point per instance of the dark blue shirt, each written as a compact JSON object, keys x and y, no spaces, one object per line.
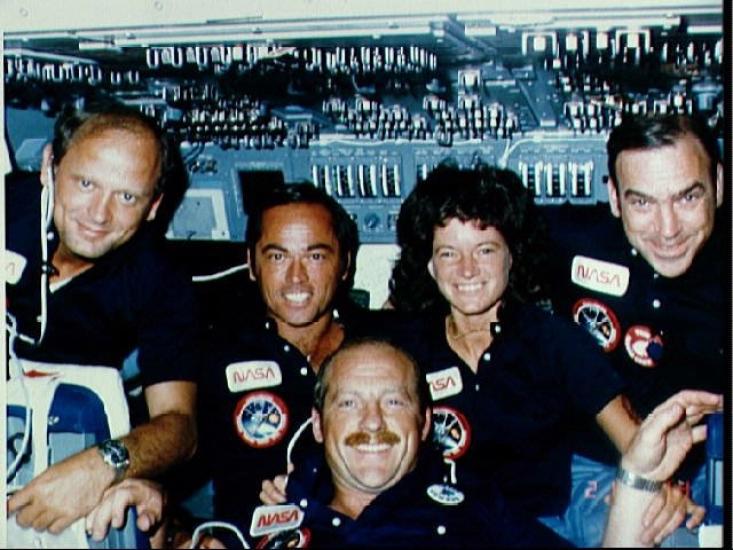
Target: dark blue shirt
{"x":419,"y":511}
{"x":662,"y":334}
{"x":510,"y":421}
{"x":256,"y":391}
{"x":132,"y":297}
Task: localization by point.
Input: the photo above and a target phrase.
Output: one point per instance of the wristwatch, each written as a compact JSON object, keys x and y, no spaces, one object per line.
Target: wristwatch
{"x":115,"y":454}
{"x":636,"y":481}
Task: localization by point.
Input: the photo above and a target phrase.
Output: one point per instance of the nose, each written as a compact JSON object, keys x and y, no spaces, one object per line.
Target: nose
{"x":668,"y":221}
{"x":99,"y":211}
{"x":372,"y":419}
{"x":468,"y":266}
{"x":297,"y":272}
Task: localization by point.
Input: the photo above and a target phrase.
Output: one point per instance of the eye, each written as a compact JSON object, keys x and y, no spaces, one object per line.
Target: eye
{"x":85,"y":184}
{"x":318,"y":256}
{"x":347,"y":403}
{"x":639,"y":202}
{"x":446,"y":254}
{"x":691,"y":197}
{"x":127,"y":198}
{"x":275,"y":256}
{"x":485,"y":250}
{"x":395,"y":402}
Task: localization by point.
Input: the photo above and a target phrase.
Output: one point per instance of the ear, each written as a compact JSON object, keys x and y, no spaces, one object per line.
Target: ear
{"x":719,"y":185}
{"x":431,"y":268}
{"x":46,"y":163}
{"x":154,"y":207}
{"x":316,"y":424}
{"x":613,"y":198}
{"x":249,"y":263}
{"x":347,"y":266}
{"x":428,"y":422}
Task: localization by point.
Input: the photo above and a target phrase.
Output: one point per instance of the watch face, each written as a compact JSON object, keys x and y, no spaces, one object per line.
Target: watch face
{"x":115,"y":453}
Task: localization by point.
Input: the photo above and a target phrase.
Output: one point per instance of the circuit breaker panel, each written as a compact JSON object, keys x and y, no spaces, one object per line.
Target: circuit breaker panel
{"x":364,"y":104}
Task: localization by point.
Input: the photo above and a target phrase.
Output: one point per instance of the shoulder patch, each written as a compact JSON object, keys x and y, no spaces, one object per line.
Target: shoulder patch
{"x":249,"y":375}
{"x":600,"y":276}
{"x":261,"y":419}
{"x":445,"y":494}
{"x":444,"y":383}
{"x":599,"y":320}
{"x":13,"y":267}
{"x":272,"y":519}
{"x":643,"y":345}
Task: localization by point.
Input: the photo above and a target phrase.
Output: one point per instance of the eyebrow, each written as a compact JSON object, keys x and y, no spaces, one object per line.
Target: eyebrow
{"x":310,"y":248}
{"x":694,"y":187}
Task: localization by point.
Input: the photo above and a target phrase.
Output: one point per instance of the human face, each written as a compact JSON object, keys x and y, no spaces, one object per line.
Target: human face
{"x":470,"y":266}
{"x":297,"y":264}
{"x":371,"y":424}
{"x":104,"y":191}
{"x":666,"y":200}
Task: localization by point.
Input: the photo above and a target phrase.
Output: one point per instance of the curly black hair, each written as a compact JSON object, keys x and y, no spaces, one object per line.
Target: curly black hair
{"x":486,"y":194}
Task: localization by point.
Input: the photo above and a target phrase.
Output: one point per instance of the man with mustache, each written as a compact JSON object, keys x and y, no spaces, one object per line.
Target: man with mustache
{"x":649,"y":285}
{"x":301,"y":250}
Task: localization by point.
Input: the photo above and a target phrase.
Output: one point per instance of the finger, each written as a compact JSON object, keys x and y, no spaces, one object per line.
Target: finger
{"x":660,"y":422}
{"x":118,"y":515}
{"x":699,"y":433}
{"x":144,"y":521}
{"x":697,"y":515}
{"x":28,"y":514}
{"x":674,"y":521}
{"x":59,"y":525}
{"x":653,"y":510}
{"x":19,"y":500}
{"x":281,"y":484}
{"x":41,"y":521}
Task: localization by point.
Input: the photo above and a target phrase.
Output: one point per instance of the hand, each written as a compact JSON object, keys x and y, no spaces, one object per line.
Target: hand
{"x":667,"y":434}
{"x":63,"y":493}
{"x":146,"y":496}
{"x":273,"y":491}
{"x":667,"y":512}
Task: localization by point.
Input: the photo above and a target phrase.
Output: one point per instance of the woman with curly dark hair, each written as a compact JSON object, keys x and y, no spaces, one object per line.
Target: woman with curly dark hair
{"x":509,"y":381}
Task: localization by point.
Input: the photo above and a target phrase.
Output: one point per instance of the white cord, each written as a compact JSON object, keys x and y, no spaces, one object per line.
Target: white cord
{"x":452,"y":464}
{"x":294,"y":439}
{"x":17,"y":372}
{"x":220,"y":274}
{"x":213,"y":524}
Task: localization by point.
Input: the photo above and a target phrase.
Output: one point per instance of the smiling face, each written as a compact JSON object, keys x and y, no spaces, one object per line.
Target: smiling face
{"x":297,"y":264}
{"x":471,"y":267}
{"x":371,"y":423}
{"x":104,"y":190}
{"x":666,"y":199}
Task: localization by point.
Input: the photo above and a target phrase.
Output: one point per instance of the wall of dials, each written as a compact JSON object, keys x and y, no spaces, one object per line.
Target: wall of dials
{"x":365,"y":99}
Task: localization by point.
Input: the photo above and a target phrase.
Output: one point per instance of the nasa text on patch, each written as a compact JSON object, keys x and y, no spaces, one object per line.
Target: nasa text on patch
{"x":444,"y":383}
{"x":600,"y":276}
{"x":248,"y":375}
{"x":271,"y":519}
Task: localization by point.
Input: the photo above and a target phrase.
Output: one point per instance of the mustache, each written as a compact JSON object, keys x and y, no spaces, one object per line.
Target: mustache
{"x":363,"y":438}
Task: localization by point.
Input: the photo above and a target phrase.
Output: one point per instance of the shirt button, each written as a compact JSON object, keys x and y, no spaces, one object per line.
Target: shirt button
{"x":634,"y":252}
{"x":304,"y":371}
{"x":487,"y":356}
{"x":498,"y":329}
{"x":656,"y":275}
{"x":49,"y":235}
{"x":286,"y":347}
{"x":477,"y":387}
{"x":304,"y":503}
{"x":441,"y":529}
{"x":336,"y":522}
{"x":656,"y":304}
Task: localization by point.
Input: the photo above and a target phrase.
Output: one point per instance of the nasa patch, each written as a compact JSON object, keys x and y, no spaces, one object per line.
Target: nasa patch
{"x":451,"y":432}
{"x":643,"y":346}
{"x":249,"y":375}
{"x":599,"y":320}
{"x":261,"y":419}
{"x":294,"y":538}
{"x":444,"y":383}
{"x":445,"y":494}
{"x":600,"y":276}
{"x":275,"y":518}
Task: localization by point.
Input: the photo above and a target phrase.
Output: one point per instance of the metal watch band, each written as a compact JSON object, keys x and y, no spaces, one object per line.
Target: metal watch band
{"x":638,"y":482}
{"x":115,"y":454}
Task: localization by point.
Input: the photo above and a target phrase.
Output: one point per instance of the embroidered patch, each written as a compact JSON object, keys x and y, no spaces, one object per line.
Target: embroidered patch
{"x":249,"y":375}
{"x":295,"y":538}
{"x":599,"y":320}
{"x":445,"y":494}
{"x":276,"y":518}
{"x":14,"y":266}
{"x":451,"y":432}
{"x":444,"y":383}
{"x":643,"y":346}
{"x":600,"y":276}
{"x":261,"y":419}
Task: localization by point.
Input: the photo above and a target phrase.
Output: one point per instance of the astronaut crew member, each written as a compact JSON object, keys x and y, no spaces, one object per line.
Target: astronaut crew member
{"x":258,"y":388}
{"x":650,"y":285}
{"x":376,"y":484}
{"x":108,"y":289}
